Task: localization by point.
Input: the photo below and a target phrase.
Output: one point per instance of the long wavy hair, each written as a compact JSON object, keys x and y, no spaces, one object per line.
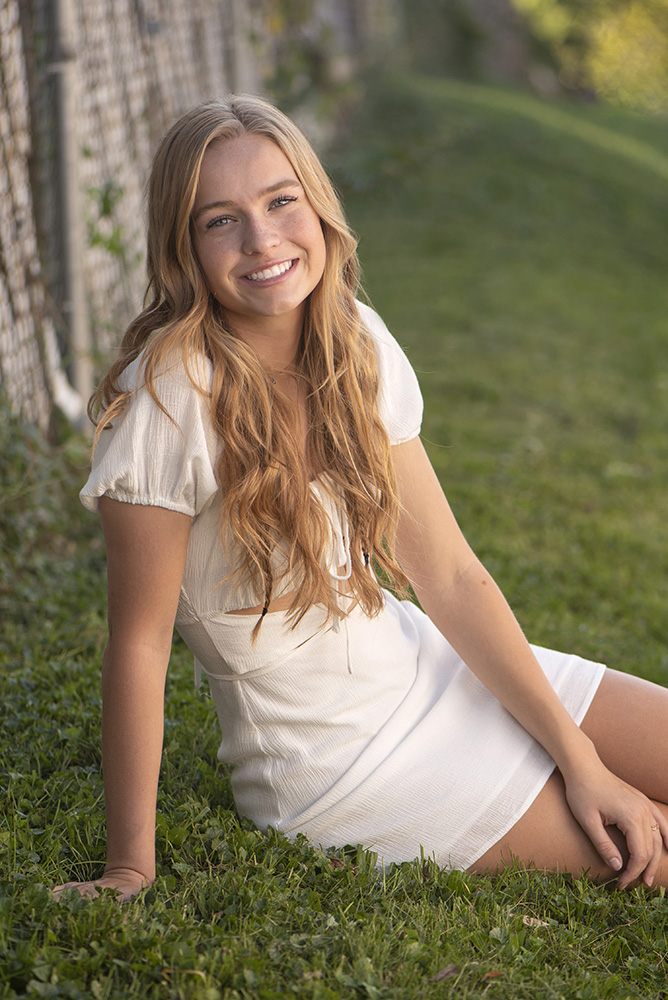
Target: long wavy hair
{"x":267,"y":503}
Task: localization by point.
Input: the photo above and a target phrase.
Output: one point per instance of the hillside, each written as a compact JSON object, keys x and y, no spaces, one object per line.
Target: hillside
{"x":518,"y":250}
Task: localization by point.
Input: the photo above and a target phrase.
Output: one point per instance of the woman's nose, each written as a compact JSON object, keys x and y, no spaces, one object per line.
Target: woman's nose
{"x":260,"y":235}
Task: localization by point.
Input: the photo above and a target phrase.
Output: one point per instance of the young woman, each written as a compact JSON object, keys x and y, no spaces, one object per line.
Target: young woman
{"x":257,"y":453}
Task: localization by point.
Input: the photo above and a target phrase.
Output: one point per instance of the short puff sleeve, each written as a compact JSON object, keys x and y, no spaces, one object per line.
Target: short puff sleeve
{"x":146,"y":457}
{"x":400,"y":400}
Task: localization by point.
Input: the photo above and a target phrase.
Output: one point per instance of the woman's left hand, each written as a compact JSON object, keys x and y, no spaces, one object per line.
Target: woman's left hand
{"x":599,"y":799}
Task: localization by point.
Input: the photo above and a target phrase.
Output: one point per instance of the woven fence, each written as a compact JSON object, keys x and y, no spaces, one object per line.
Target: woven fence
{"x":73,"y":256}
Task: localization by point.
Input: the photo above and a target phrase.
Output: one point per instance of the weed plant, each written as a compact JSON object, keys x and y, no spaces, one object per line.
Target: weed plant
{"x":523,"y":267}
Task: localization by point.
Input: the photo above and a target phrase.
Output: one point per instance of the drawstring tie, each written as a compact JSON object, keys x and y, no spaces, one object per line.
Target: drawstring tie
{"x":337,"y":620}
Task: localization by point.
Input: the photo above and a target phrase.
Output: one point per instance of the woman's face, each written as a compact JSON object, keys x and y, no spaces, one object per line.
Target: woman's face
{"x":258,"y":239}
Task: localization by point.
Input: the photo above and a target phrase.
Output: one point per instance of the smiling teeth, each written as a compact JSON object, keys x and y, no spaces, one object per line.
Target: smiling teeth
{"x":271,"y":272}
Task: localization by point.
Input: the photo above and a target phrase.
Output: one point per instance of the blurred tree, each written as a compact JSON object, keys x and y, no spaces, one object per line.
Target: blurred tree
{"x":628,"y":59}
{"x":313,"y":50}
{"x":466,"y":38}
{"x":617,"y":49}
{"x":296,"y":46}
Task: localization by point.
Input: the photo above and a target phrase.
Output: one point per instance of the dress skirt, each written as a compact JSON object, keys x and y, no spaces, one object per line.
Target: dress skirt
{"x":373,"y":731}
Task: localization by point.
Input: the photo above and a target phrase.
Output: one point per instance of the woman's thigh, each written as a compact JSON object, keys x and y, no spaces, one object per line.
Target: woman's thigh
{"x":628,"y":723}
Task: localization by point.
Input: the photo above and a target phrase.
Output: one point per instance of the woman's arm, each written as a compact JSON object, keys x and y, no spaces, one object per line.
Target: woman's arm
{"x":465,"y":604}
{"x":146,"y":552}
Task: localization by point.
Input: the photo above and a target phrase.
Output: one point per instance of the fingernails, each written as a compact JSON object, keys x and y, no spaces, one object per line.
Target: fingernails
{"x":615,"y":863}
{"x":650,"y":882}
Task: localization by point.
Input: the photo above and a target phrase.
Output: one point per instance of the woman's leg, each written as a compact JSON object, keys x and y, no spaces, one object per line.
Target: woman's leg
{"x":628,"y":724}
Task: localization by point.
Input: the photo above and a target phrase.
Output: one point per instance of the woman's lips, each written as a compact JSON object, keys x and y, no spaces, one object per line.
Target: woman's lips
{"x":272,"y":271}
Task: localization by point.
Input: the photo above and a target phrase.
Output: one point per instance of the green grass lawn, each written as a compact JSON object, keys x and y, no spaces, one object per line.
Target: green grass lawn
{"x":518,"y":251}
{"x":524,"y":269}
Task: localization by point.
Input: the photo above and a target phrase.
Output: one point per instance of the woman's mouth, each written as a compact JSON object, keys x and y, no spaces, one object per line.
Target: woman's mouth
{"x":275,"y":271}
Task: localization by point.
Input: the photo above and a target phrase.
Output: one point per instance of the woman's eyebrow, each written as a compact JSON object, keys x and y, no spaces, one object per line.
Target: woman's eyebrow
{"x":289,"y":182}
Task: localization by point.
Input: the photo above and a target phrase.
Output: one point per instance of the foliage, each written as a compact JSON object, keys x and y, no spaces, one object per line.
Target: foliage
{"x":305,"y":62}
{"x":103,"y":231}
{"x":48,"y":548}
{"x":628,"y":61}
{"x":441,"y":36}
{"x":618,"y":48}
{"x":523,"y":266}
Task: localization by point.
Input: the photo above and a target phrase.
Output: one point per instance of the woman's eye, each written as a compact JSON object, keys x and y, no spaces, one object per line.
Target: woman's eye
{"x":220,"y":220}
{"x":283,"y":199}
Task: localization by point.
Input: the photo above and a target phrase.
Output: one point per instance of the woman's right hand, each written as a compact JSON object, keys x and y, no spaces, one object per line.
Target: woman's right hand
{"x":125,"y":881}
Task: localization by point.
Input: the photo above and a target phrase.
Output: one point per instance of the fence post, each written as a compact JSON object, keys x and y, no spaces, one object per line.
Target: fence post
{"x":74,"y":307}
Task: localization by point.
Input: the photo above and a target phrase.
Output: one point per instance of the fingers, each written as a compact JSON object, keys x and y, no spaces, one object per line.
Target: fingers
{"x":125,"y":882}
{"x":87,"y":889}
{"x":91,"y":890}
{"x":652,"y":869}
{"x":663,"y":828}
{"x":644,"y":843}
{"x":605,"y":846}
{"x":645,"y":840}
{"x":621,"y":823}
{"x":657,"y":828}
{"x":643,"y":854}
{"x":636,"y":837}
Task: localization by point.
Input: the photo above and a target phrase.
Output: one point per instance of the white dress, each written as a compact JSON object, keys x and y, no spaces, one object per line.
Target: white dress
{"x":365,"y":730}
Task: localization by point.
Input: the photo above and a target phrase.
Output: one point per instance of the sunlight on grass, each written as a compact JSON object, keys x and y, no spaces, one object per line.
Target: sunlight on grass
{"x":639,"y":153}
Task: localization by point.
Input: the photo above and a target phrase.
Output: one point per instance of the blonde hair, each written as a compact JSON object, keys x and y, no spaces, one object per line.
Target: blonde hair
{"x":268,"y":504}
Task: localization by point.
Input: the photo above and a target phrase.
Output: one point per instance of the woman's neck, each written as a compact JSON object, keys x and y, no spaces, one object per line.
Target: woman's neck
{"x":275,"y":339}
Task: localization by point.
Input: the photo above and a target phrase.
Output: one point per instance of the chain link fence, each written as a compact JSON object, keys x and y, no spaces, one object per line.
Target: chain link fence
{"x":87,"y":88}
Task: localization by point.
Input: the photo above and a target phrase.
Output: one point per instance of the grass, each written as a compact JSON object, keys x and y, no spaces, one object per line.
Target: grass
{"x":523,"y":267}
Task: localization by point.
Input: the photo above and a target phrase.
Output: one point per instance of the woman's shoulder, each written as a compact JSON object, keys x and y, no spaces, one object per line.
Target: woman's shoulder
{"x":160,"y":449}
{"x":374,"y":324}
{"x":388,"y":350}
{"x":400,"y":399}
{"x":387,"y":346}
